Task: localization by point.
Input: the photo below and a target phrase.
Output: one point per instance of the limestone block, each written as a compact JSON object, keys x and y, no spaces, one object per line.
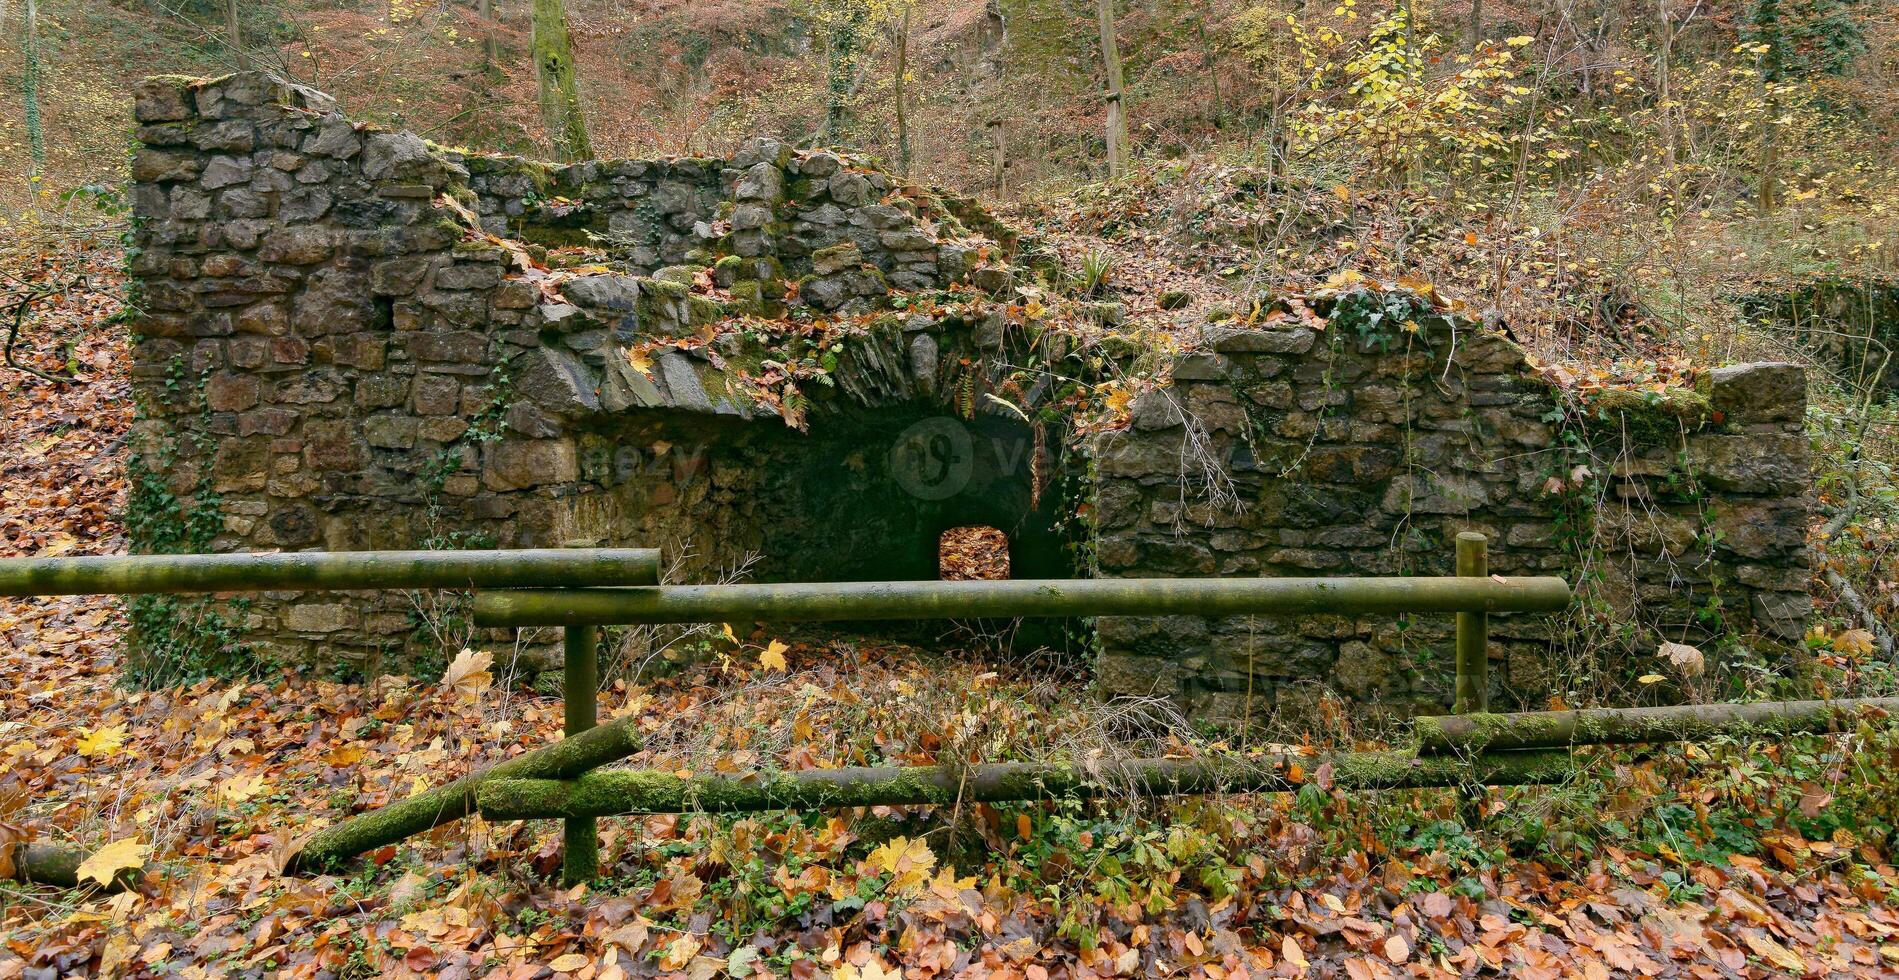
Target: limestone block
{"x":319,"y":617}
{"x":1753,"y":462}
{"x":557,"y":381}
{"x":164,"y":99}
{"x":518,"y":464}
{"x":1296,"y":340}
{"x":1770,"y":391}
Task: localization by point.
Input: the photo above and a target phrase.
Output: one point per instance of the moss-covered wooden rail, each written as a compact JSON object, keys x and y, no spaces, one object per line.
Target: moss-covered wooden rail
{"x":1473,"y":594}
{"x":354,"y":571}
{"x":838,"y":601}
{"x":613,"y":792}
{"x":1624,"y":726}
{"x":328,"y":571}
{"x":582,"y":588}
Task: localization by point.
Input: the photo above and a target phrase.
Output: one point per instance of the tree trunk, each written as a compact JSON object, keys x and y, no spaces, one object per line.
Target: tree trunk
{"x":1213,"y":65}
{"x":903,"y":121}
{"x":234,"y":35}
{"x":560,"y":83}
{"x":51,"y":864}
{"x":612,"y":792}
{"x":1620,"y":726}
{"x":1476,"y":29}
{"x":490,"y":46}
{"x":1663,"y":56}
{"x":1117,"y":111}
{"x":1767,"y":27}
{"x":564,"y":759}
{"x":30,"y":91}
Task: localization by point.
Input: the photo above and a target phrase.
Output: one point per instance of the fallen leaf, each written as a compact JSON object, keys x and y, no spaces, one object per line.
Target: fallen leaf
{"x":101,"y":742}
{"x":104,"y":864}
{"x":468,"y":675}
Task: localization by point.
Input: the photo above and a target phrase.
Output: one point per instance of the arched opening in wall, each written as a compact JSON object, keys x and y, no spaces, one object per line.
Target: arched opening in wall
{"x":973,"y":552}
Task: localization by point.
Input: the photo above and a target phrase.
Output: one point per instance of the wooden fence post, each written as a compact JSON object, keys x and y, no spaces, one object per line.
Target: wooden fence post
{"x":1473,"y":661}
{"x":1473,"y":631}
{"x":580,"y":692}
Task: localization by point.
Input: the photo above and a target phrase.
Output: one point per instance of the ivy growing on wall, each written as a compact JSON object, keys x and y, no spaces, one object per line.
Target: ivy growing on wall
{"x":176,"y":639}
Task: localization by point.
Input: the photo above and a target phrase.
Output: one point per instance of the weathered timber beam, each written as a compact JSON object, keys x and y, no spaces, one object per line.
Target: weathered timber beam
{"x":564,"y":759}
{"x":338,"y":570}
{"x":606,"y":793}
{"x":822,"y":601}
{"x":1603,"y":726}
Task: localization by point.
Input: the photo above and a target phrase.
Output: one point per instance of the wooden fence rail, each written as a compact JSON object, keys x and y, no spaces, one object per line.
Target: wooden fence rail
{"x":581,"y":589}
{"x":339,"y":571}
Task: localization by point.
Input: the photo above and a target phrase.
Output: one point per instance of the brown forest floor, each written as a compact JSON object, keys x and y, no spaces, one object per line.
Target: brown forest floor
{"x":208,"y":788}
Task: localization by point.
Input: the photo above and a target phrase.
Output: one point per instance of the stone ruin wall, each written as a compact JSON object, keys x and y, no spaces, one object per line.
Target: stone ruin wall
{"x":328,"y":357}
{"x":1354,"y":457}
{"x":332,"y":361}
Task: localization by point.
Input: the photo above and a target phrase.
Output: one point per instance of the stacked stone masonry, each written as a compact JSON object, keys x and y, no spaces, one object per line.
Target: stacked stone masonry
{"x":333,"y":353}
{"x":336,"y":356}
{"x":1297,"y":452}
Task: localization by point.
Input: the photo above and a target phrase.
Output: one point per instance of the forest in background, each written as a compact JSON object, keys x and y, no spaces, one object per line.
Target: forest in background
{"x":1594,"y":174}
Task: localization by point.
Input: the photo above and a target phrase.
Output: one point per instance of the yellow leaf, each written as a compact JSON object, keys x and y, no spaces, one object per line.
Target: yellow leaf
{"x":569,"y":962}
{"x":1519,"y":41}
{"x":1650,"y":679}
{"x":641,"y":361}
{"x":1767,"y":949}
{"x":907,"y":861}
{"x":243,"y":788}
{"x":774,"y":656}
{"x":104,"y":864}
{"x":679,"y":952}
{"x":1342,"y":192}
{"x":102,"y":742}
{"x":1854,"y":642}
